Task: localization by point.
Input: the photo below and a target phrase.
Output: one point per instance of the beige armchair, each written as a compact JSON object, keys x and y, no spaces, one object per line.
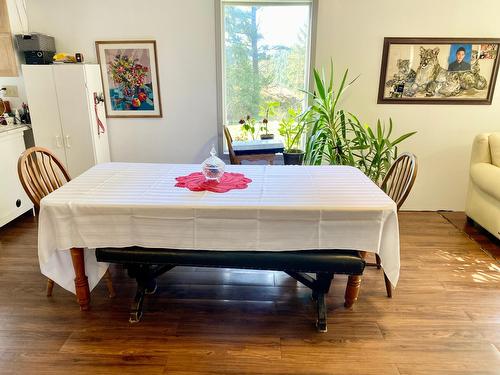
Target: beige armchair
{"x":483,"y":197}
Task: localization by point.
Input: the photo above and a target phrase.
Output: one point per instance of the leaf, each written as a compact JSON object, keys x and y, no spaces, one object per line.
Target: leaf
{"x":341,"y":89}
{"x":330,"y":84}
{"x":402,"y":138}
{"x":379,"y":131}
{"x":319,"y":84}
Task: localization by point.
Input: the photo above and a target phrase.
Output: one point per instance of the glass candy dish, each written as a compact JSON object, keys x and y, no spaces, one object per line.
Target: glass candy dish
{"x":213,"y":167}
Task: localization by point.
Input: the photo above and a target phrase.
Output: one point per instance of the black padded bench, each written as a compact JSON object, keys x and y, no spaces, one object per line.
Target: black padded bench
{"x":145,"y":264}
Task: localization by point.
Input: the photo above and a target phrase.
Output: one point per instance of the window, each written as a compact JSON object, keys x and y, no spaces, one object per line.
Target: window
{"x":265,"y":58}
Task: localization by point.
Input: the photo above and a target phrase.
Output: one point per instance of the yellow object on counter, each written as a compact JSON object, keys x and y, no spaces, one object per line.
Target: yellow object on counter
{"x":64,"y":58}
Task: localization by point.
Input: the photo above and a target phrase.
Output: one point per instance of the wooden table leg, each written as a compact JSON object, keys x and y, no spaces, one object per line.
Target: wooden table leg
{"x":81,"y":281}
{"x":352,"y":288}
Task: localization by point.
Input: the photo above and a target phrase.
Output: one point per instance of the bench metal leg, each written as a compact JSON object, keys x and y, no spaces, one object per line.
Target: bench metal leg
{"x":320,"y":287}
{"x":145,"y":276}
{"x":314,"y":295}
{"x":321,"y":322}
{"x":148,"y":286}
{"x":323,"y":282}
{"x":136,"y":309}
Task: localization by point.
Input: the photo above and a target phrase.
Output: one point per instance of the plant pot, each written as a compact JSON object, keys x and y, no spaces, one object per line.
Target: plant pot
{"x":266,"y":136}
{"x":293,"y":157}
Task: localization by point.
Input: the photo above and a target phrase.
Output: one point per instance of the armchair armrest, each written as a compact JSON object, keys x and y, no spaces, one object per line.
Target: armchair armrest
{"x":480,"y":150}
{"x":487,"y":177}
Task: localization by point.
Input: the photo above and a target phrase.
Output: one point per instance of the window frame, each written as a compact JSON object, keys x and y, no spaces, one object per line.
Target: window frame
{"x":220,"y":55}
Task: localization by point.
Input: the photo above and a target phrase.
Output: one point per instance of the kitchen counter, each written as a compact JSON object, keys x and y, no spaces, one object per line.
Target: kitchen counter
{"x":11,"y":129}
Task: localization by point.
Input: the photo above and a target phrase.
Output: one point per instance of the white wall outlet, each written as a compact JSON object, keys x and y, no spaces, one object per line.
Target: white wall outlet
{"x":11,"y":92}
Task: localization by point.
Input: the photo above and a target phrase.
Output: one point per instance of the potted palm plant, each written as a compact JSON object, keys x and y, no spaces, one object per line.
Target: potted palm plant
{"x":338,"y":137}
{"x":291,"y":128}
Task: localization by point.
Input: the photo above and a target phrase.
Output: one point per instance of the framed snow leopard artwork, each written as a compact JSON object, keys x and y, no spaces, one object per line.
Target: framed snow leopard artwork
{"x":438,"y":70}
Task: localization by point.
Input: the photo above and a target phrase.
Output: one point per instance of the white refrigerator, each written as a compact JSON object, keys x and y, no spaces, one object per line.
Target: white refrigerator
{"x":66,"y":117}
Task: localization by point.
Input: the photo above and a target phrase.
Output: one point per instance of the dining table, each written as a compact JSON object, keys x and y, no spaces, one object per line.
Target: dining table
{"x":284,"y":208}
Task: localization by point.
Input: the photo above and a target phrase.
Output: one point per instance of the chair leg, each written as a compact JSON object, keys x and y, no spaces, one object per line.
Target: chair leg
{"x":388,"y":286}
{"x":50,"y":286}
{"x":378,"y":261}
{"x":352,"y":290}
{"x":109,"y":284}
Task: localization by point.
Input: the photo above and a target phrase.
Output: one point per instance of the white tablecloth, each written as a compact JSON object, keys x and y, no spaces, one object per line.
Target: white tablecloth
{"x":284,"y":208}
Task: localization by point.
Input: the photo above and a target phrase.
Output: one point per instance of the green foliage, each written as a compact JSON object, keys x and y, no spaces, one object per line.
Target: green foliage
{"x":267,"y":111}
{"x":248,"y":127}
{"x":242,"y":55}
{"x":373,"y":152}
{"x":327,"y":140}
{"x":292,"y":126}
{"x":255,"y":72}
{"x":339,"y":138}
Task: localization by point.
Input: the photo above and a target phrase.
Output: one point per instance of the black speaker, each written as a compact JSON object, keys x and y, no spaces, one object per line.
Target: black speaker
{"x":39,"y":57}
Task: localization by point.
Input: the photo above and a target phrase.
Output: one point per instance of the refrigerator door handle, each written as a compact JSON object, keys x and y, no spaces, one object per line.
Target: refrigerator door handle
{"x":68,"y":144}
{"x":98,"y":98}
{"x":58,"y":141}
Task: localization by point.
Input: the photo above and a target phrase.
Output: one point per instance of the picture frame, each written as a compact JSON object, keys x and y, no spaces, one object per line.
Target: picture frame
{"x":438,"y":70}
{"x":129,"y":72}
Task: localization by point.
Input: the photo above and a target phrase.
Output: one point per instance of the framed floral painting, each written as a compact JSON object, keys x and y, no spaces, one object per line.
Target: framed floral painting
{"x":438,"y":70}
{"x":129,"y":72}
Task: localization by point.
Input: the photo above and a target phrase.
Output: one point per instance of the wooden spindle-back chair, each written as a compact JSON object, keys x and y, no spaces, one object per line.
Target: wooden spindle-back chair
{"x":397,"y":185}
{"x":40,"y":173}
{"x":229,"y":139}
{"x":399,"y":180}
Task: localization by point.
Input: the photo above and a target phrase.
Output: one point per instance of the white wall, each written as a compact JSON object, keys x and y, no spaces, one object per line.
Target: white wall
{"x":184,"y":32}
{"x":349,"y":31}
{"x":352,"y":33}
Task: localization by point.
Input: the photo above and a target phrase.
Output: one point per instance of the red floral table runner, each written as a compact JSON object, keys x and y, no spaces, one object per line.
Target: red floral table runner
{"x":229,"y":181}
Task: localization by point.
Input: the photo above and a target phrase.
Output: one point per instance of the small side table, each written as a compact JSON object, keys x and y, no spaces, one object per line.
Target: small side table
{"x":265,"y":149}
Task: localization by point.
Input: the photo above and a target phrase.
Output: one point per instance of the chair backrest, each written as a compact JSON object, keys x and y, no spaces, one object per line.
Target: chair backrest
{"x":400,"y":178}
{"x":232,"y":156}
{"x":40,"y":173}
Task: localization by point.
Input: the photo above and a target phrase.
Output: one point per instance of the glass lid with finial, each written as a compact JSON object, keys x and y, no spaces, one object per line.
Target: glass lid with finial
{"x":213,"y":167}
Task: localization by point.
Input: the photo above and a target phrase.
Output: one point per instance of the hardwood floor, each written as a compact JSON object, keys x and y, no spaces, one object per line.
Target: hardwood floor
{"x":444,"y":317}
{"x":486,"y":240}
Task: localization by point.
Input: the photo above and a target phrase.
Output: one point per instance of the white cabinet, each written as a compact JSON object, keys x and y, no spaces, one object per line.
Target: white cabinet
{"x":13,"y":199}
{"x":63,"y":113}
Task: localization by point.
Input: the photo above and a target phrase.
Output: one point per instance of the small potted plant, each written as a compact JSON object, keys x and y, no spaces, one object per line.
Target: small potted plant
{"x":267,"y":111}
{"x":266,"y":134}
{"x":248,"y":127}
{"x":291,"y":128}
